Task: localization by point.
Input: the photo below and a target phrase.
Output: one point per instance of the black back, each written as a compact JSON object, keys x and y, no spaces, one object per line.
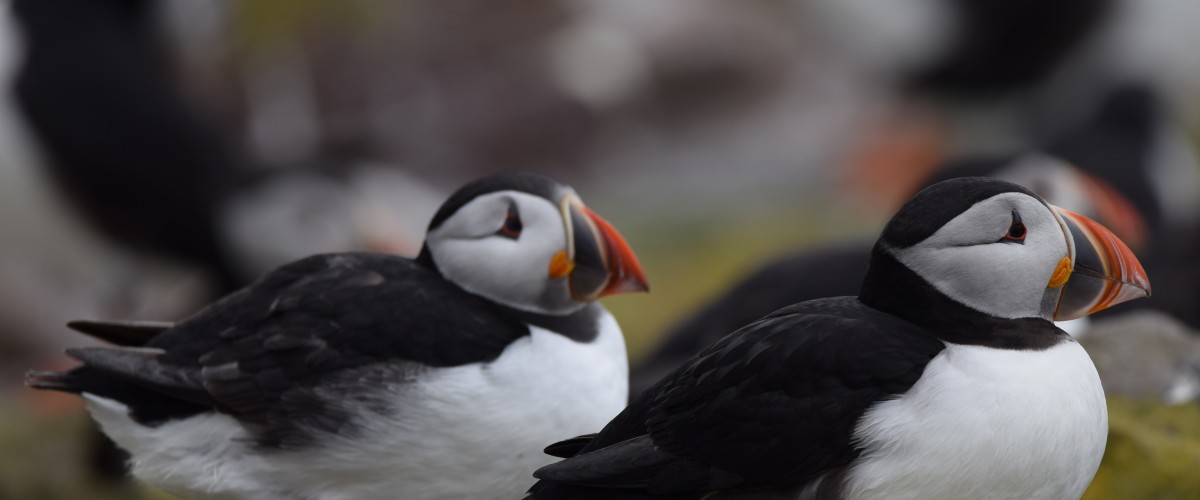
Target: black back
{"x":827,"y":271}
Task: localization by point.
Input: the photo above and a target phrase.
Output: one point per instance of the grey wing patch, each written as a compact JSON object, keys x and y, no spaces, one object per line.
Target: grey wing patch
{"x":122,"y":333}
{"x":347,"y":404}
{"x":279,"y":392}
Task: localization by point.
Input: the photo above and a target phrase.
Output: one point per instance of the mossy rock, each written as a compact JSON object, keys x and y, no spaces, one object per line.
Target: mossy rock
{"x":1153,"y":452}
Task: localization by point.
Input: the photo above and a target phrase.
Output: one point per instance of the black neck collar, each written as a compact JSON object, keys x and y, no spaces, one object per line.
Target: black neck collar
{"x":425,"y":259}
{"x":581,"y":326}
{"x":893,"y":288}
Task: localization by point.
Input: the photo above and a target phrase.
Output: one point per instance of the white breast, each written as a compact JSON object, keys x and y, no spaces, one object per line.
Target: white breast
{"x":987,"y":423}
{"x":474,"y":431}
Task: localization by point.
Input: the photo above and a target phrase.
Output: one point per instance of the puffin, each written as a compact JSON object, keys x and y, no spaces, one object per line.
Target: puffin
{"x":945,"y":377}
{"x":837,"y":268}
{"x":366,"y":375}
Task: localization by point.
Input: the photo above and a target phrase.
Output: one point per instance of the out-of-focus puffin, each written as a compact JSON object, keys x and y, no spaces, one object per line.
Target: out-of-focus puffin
{"x":358,"y":375}
{"x":944,"y":378}
{"x":95,"y":90}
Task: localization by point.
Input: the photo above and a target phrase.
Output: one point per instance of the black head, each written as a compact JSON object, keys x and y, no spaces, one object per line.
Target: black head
{"x":932,"y":207}
{"x":523,"y":182}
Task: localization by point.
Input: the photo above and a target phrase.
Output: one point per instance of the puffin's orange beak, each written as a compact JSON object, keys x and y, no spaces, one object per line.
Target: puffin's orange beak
{"x":598,"y":262}
{"x":1104,"y":273}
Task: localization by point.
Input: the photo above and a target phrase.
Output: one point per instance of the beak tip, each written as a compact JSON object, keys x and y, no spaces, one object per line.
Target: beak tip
{"x":630,"y":285}
{"x":638,"y":280}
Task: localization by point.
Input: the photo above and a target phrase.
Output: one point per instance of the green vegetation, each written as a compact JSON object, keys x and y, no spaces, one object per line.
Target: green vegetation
{"x":46,"y":459}
{"x":1153,"y":452}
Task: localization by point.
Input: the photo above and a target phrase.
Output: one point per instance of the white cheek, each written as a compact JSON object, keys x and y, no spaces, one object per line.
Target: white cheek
{"x":514,"y":272}
{"x":997,"y":279}
{"x":485,"y":265}
{"x":1002,"y":279}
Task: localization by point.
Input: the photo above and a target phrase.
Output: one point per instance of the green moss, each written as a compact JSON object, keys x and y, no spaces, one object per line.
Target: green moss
{"x":1153,"y":452}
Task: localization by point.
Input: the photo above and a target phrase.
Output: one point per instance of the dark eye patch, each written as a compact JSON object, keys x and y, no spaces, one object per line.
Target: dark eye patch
{"x":1016,"y":230}
{"x":512,"y":224}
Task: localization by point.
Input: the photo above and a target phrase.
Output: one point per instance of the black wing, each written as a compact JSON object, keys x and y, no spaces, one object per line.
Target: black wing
{"x":769,"y":406}
{"x":268,"y":353}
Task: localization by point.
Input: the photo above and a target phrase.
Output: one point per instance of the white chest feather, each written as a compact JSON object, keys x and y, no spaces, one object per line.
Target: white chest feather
{"x":473,"y":431}
{"x":987,"y":423}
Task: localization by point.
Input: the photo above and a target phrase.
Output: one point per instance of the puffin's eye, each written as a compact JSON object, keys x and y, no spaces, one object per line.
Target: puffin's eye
{"x":512,"y":224}
{"x":1016,"y":230}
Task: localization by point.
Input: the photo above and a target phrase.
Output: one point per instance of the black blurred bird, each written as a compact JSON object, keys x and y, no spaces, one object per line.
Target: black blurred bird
{"x":944,"y":378}
{"x":360,"y":375}
{"x":119,"y":138}
{"x":999,"y":47}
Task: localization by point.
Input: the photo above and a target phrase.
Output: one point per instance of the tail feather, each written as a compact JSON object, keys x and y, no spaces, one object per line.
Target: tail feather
{"x":568,"y":448}
{"x":122,"y":333}
{"x":147,"y":406}
{"x":140,"y":366}
{"x":51,"y":381}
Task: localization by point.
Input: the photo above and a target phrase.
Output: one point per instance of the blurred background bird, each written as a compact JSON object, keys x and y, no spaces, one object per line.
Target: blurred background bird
{"x":156,"y":153}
